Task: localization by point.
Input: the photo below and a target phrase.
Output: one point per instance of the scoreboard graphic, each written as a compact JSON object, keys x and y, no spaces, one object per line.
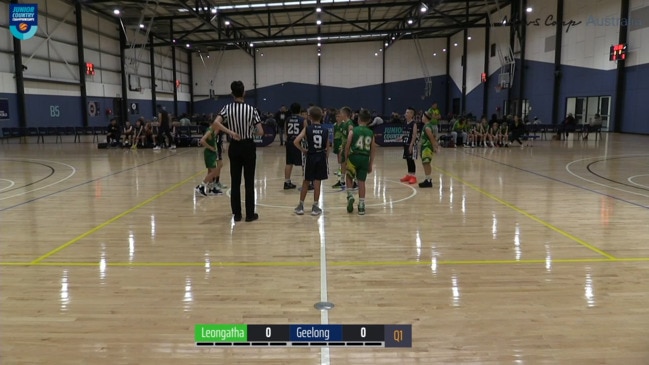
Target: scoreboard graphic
{"x":303,"y":335}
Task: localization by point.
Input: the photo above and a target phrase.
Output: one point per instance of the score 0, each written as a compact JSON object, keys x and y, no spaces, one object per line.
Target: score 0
{"x":268,"y":333}
{"x":363,"y":332}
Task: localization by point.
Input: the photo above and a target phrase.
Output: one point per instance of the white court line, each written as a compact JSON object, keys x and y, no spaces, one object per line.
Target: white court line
{"x":11,"y":183}
{"x":635,"y":183}
{"x":324,"y":314}
{"x":74,"y":171}
{"x":323,"y":191}
{"x":600,"y":184}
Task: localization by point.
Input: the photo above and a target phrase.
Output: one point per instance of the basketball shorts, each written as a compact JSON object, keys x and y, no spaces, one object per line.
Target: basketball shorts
{"x":358,"y":166}
{"x":210,"y":158}
{"x":293,"y":154}
{"x":406,"y":153}
{"x":426,"y":155}
{"x":316,"y":167}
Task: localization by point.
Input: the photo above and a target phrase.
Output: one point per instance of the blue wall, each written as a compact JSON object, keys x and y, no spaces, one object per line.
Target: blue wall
{"x":65,"y":111}
{"x":539,"y":86}
{"x":399,"y":95}
{"x":12,"y":122}
{"x":636,"y":104}
{"x":411,"y":93}
{"x":576,"y":81}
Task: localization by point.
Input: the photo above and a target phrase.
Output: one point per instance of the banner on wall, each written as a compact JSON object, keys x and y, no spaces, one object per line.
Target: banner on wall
{"x":4,"y":108}
{"x":387,"y":134}
{"x":23,"y":20}
{"x":267,"y":138}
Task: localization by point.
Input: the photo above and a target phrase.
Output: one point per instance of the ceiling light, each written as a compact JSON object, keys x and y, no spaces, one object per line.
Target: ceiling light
{"x":318,"y":10}
{"x":187,"y":45}
{"x":469,"y":37}
{"x":319,"y":44}
{"x":454,"y":44}
{"x":380,"y":49}
{"x":444,"y":50}
{"x":376,"y":53}
{"x":423,"y":8}
{"x":319,"y":54}
{"x":529,"y":9}
{"x":318,"y":22}
{"x":227,"y":22}
{"x":386,"y":44}
{"x":213,"y":10}
{"x":410,"y":21}
{"x":262,"y":55}
{"x":393,"y":38}
{"x":252,"y":45}
{"x":319,"y":38}
{"x":141,"y":26}
{"x":435,"y":54}
{"x":116,"y":11}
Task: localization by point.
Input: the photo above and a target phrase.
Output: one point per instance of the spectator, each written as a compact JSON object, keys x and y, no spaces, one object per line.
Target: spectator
{"x":595,"y":125}
{"x":280,"y":118}
{"x":113,"y":133}
{"x":567,"y":126}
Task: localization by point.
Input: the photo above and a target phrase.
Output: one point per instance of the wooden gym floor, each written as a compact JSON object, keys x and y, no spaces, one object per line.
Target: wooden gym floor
{"x":516,"y":256}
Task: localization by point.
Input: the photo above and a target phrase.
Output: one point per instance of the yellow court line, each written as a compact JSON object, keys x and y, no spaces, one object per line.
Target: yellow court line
{"x":337,"y":263}
{"x":115,"y":218}
{"x":529,"y":215}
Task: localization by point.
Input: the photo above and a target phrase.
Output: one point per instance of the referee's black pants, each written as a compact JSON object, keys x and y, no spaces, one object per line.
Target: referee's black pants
{"x":243,"y":157}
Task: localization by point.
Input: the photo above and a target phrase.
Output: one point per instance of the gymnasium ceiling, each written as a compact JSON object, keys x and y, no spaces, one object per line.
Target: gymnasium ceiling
{"x":204,"y":25}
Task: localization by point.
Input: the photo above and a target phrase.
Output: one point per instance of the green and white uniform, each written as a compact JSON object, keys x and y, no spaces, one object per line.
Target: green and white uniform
{"x":426,"y":144}
{"x":358,"y":162}
{"x":211,"y":156}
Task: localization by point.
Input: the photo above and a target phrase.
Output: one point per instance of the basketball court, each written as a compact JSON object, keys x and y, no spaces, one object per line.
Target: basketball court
{"x":523,"y":256}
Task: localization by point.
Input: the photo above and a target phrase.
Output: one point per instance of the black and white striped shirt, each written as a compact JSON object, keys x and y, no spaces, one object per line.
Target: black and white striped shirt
{"x":241,"y":118}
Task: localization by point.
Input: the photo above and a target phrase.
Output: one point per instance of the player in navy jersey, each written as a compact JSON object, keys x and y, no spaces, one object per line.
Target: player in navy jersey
{"x":410,"y":133}
{"x":294,"y":125}
{"x":316,"y":152}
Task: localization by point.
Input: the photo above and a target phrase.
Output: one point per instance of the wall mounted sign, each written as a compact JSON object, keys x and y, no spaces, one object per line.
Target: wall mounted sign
{"x":23,"y":20}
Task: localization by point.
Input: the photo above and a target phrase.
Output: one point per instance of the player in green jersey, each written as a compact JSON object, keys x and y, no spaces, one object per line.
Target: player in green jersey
{"x":435,"y":115}
{"x":346,"y":126}
{"x":429,"y":146}
{"x":213,"y":163}
{"x":360,"y":150}
{"x":338,"y":147}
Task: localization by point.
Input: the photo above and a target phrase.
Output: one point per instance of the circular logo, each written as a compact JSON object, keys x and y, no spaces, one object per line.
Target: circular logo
{"x":92,"y":109}
{"x":23,"y":27}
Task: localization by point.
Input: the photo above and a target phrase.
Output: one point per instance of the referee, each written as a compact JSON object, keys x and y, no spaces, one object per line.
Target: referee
{"x":244,"y":123}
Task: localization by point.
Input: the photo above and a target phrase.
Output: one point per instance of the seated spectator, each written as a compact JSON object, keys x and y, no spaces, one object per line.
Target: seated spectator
{"x":459,"y":127}
{"x":595,"y":125}
{"x":139,"y":132}
{"x":567,"y":126}
{"x":482,"y":133}
{"x":129,"y":133}
{"x":150,"y":138}
{"x":184,"y":120}
{"x":113,"y":133}
{"x":271,"y":122}
{"x":517,"y":131}
{"x":375,"y":122}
